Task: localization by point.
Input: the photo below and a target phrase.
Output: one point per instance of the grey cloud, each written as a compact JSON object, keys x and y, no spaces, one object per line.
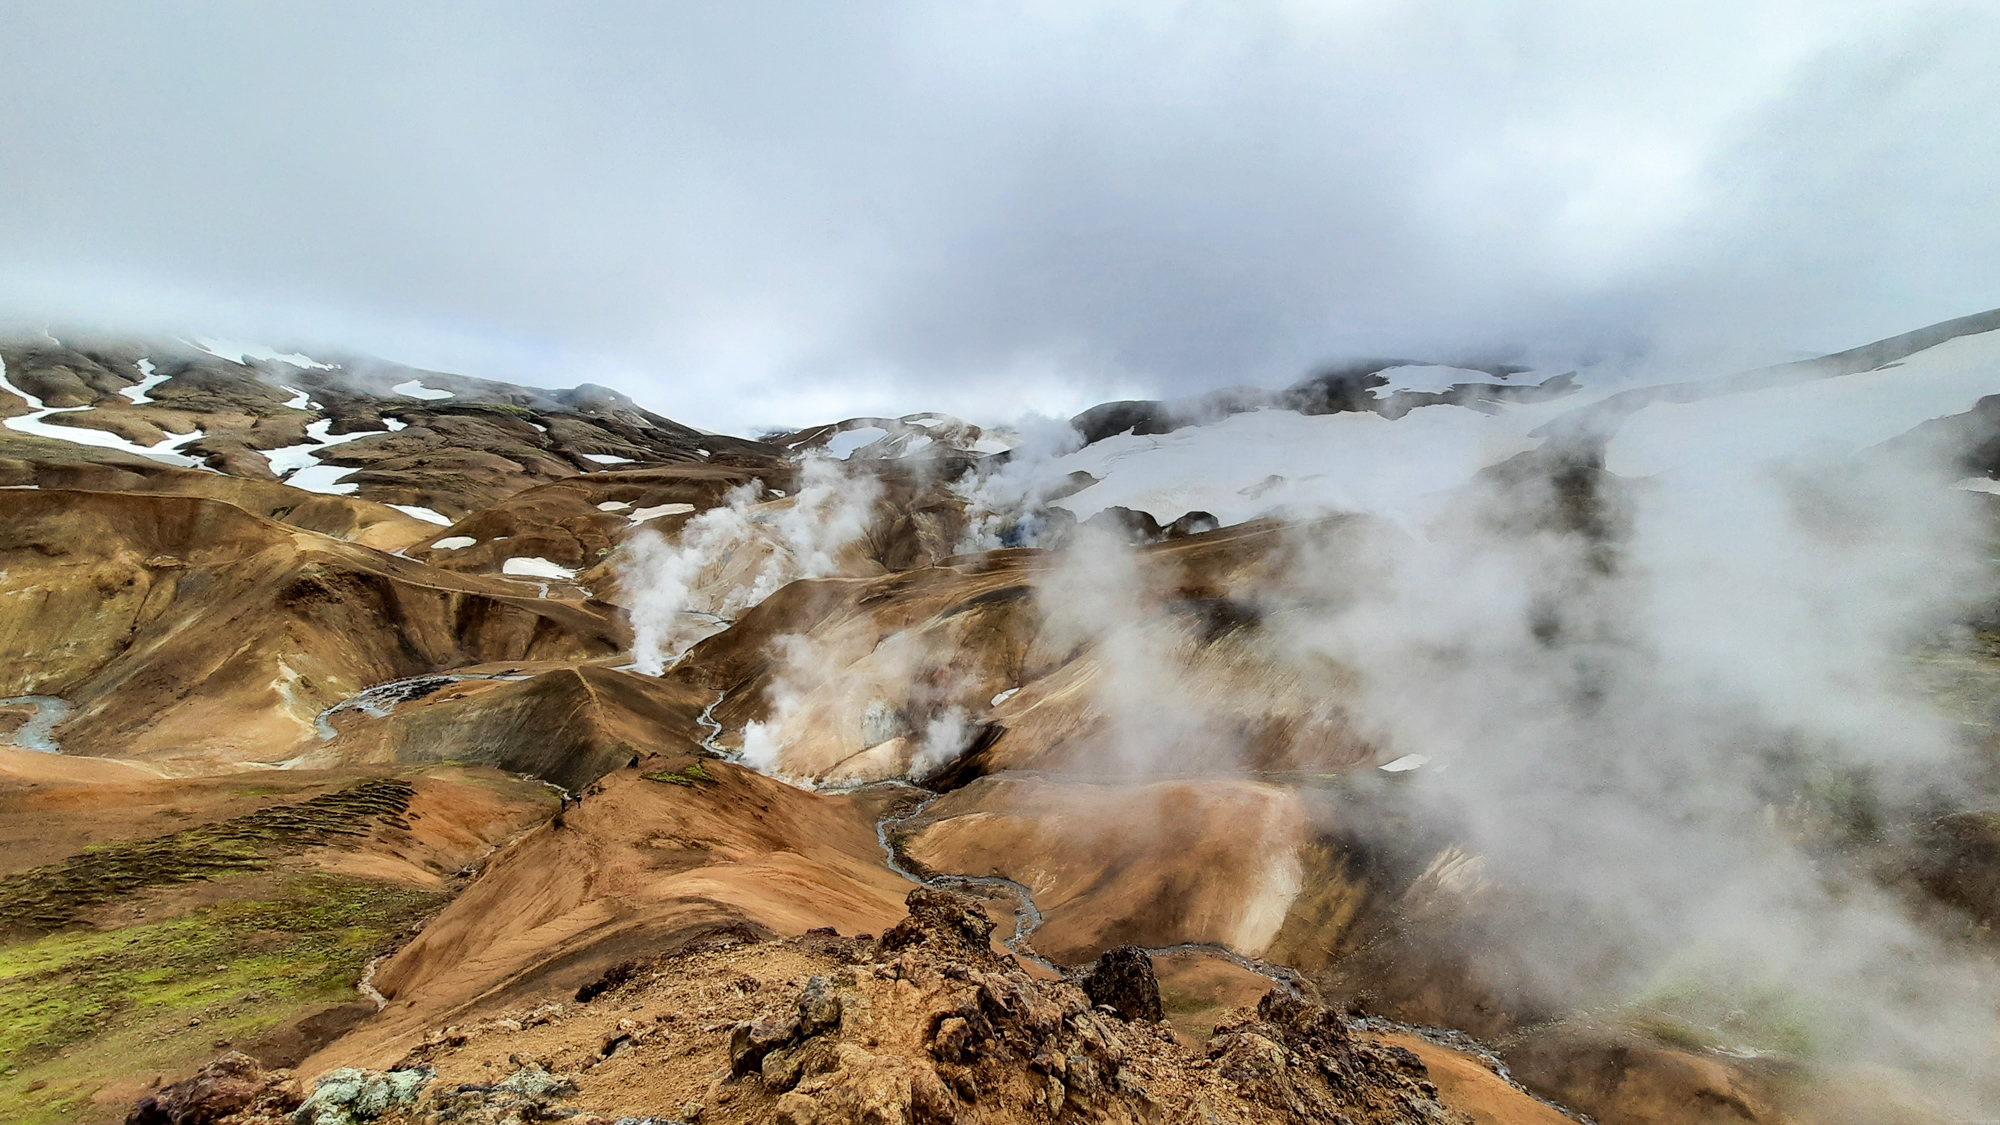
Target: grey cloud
{"x":778,"y":212}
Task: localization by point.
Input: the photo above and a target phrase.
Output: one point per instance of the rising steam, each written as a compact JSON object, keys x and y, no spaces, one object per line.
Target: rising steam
{"x":732,"y":557}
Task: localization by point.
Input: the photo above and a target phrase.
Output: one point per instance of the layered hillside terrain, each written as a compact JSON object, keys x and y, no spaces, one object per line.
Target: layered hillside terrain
{"x":1416,"y":743}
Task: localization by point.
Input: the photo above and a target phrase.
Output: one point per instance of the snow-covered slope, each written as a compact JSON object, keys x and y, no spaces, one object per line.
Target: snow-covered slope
{"x":1845,"y":413}
{"x":1275,"y":460}
{"x":1266,"y":461}
{"x":877,"y":439}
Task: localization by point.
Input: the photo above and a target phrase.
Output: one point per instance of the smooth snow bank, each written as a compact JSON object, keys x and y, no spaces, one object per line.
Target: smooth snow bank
{"x":299,"y":400}
{"x":606,"y":459}
{"x":1273,"y":461}
{"x":299,"y":465}
{"x":453,"y":542}
{"x":1431,"y":379}
{"x":147,"y":381}
{"x":1406,"y":763}
{"x":655,"y":512}
{"x":533,"y":566}
{"x":235,"y":351}
{"x":324,"y":479}
{"x":844,"y":444}
{"x":416,"y":389}
{"x":1246,"y":465}
{"x":425,"y":514}
{"x":1845,"y":413}
{"x":614,"y":505}
{"x":33,"y":423}
{"x":1980,"y":484}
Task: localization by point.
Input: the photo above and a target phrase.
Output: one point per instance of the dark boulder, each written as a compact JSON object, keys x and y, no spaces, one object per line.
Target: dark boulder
{"x":1124,"y":981}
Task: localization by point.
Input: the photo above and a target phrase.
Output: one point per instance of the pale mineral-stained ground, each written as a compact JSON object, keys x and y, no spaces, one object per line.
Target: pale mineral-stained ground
{"x":495,"y":752}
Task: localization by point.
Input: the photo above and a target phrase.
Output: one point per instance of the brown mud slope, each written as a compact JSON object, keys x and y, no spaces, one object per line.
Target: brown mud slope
{"x":189,"y":630}
{"x":32,"y":462}
{"x":454,"y":454}
{"x":1152,"y":865}
{"x":578,"y":521}
{"x":922,"y":1026}
{"x":665,"y":849}
{"x":570,"y":724}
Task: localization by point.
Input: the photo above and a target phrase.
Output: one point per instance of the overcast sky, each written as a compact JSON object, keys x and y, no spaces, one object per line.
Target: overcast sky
{"x":748,"y":214}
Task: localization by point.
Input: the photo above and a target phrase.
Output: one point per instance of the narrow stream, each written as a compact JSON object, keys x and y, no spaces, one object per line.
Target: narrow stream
{"x":714,"y":727}
{"x":378,"y":701}
{"x":38,"y":733}
{"x":1027,"y":916}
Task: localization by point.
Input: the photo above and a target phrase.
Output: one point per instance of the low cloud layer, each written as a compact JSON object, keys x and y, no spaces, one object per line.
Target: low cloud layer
{"x":777,"y":213}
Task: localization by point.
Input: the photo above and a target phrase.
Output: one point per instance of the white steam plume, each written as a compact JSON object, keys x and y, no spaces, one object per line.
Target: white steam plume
{"x":732,"y":557}
{"x":1652,"y":720}
{"x":1629,"y":726}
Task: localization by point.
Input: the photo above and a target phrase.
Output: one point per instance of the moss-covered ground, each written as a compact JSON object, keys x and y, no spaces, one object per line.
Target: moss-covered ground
{"x":690,"y":776}
{"x":83,"y":1008}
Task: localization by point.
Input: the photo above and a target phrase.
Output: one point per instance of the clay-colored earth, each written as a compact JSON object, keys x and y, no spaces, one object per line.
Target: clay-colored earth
{"x":239,"y":833}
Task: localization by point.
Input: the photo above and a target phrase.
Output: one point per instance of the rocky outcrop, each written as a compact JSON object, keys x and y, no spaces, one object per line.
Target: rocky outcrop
{"x":930,"y":1024}
{"x":1123,"y":980}
{"x":232,"y":1088}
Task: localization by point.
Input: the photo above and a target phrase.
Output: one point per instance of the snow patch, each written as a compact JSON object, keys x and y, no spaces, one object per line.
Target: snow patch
{"x":298,"y":465}
{"x":644,"y":514}
{"x":416,"y":389}
{"x":324,"y":479}
{"x":425,"y":514}
{"x":1406,"y":763}
{"x":606,"y":459}
{"x":1846,"y":412}
{"x":1246,"y":465}
{"x":147,"y":381}
{"x":533,"y":566}
{"x":1004,"y":696}
{"x":32,"y":423}
{"x":236,"y":351}
{"x":614,"y":505}
{"x":1429,"y":379}
{"x":299,"y":400}
{"x":1979,"y":484}
{"x":845,"y":443}
{"x":453,"y":542}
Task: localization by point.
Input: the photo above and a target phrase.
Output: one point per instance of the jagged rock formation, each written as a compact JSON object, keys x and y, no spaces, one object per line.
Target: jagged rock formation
{"x":925,"y":1025}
